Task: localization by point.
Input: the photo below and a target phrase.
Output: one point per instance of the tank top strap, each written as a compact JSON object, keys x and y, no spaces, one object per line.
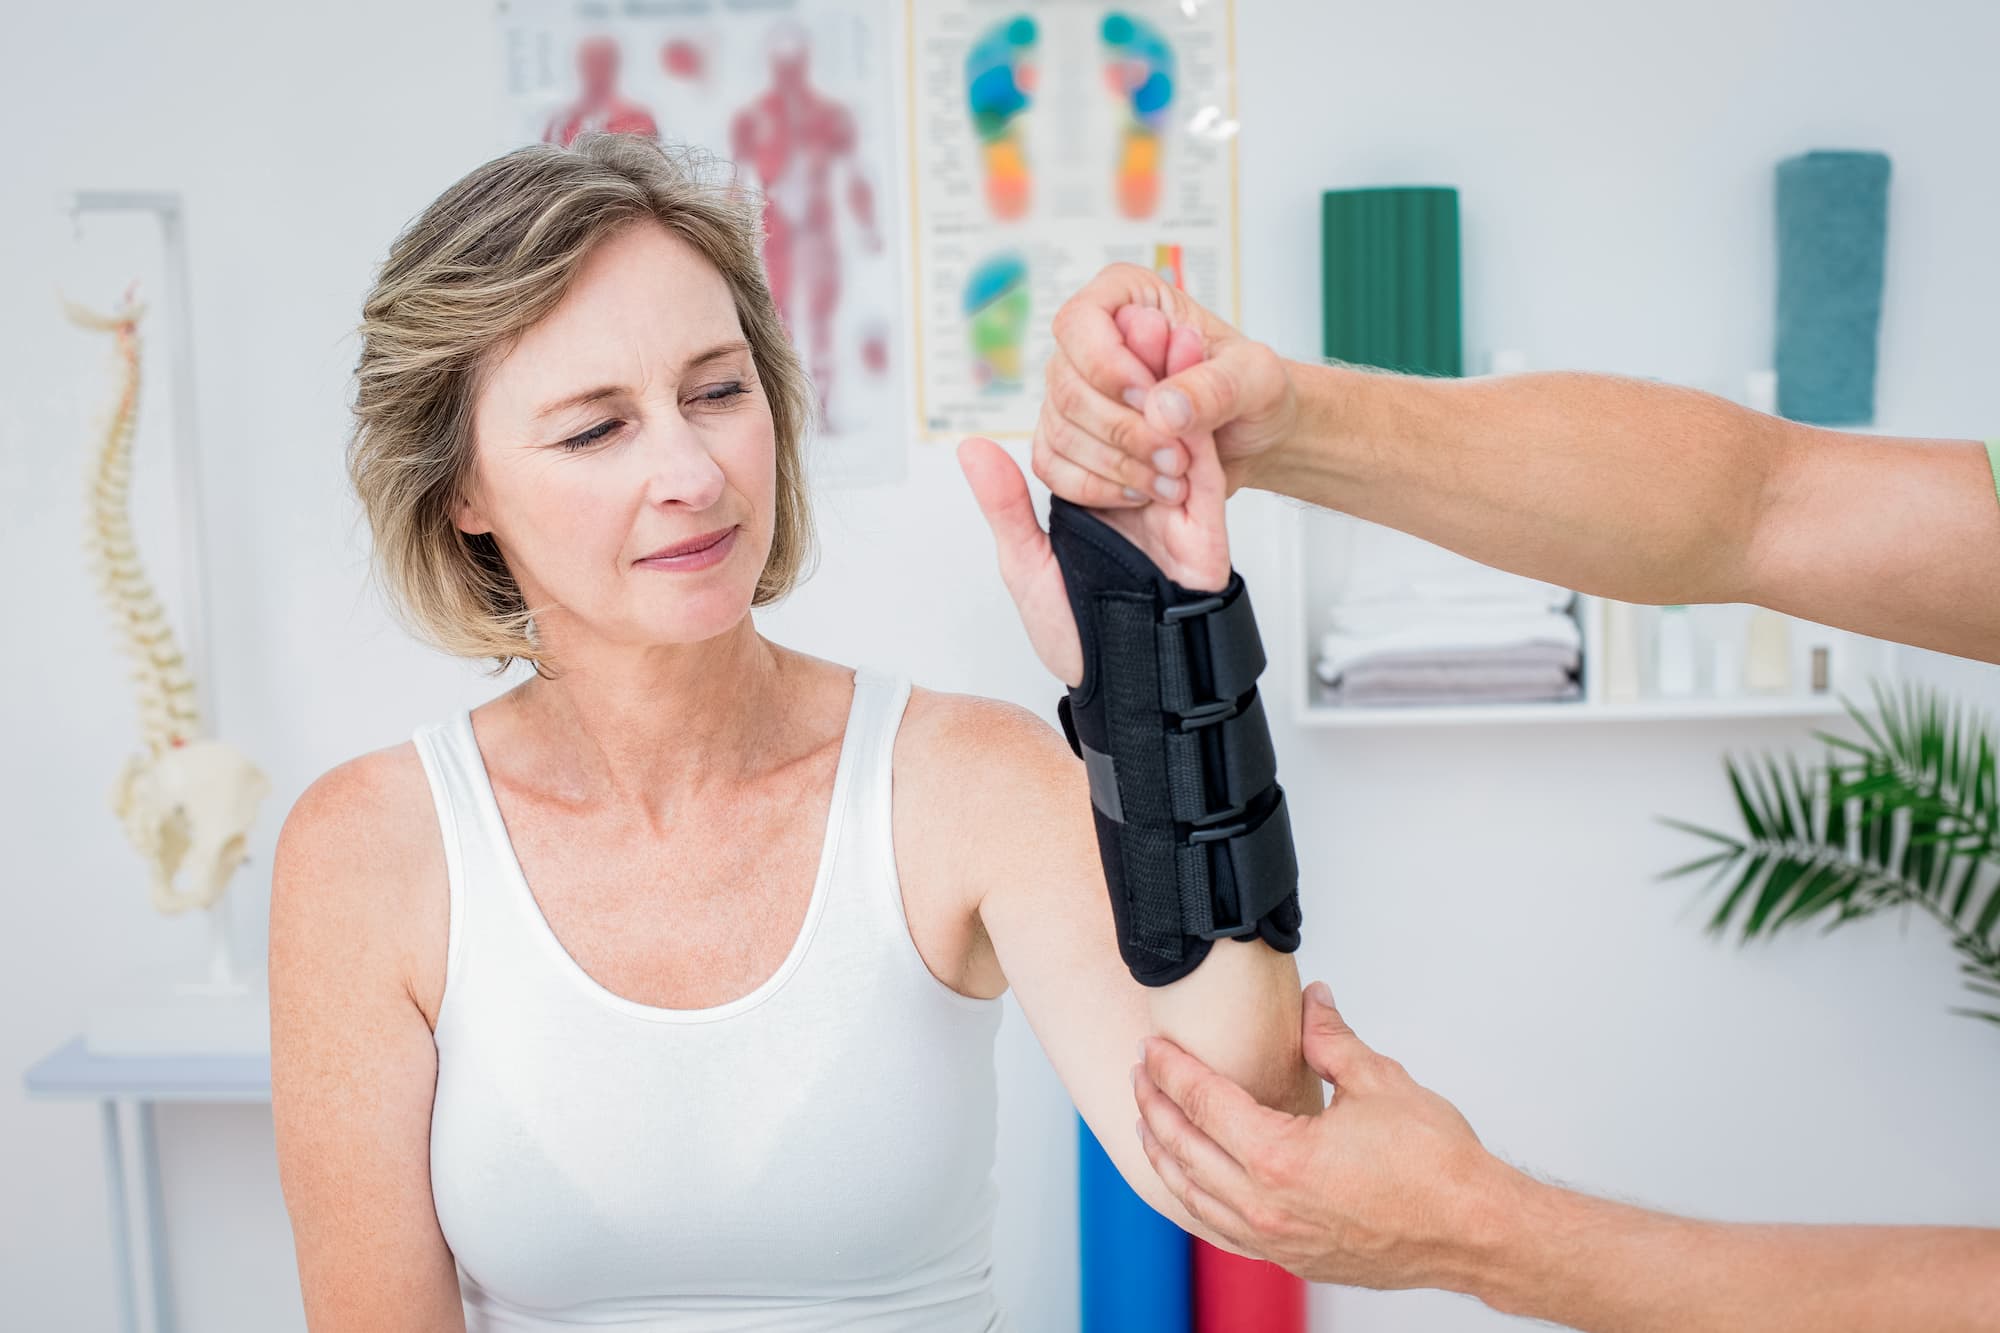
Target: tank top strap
{"x":880,"y":699}
{"x":445,"y":747}
{"x":868,"y":845}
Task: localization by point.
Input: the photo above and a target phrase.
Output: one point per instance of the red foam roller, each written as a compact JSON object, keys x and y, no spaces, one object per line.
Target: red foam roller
{"x":1237,"y":1295}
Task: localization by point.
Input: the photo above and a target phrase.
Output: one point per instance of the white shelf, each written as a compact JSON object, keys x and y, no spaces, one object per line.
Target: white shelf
{"x":1644,"y":710}
{"x":1314,"y":546}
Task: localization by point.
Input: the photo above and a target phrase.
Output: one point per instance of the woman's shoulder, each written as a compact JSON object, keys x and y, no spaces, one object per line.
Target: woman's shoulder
{"x":976,"y":780}
{"x":979,"y":746}
{"x":380,"y":798}
{"x":360,"y":853}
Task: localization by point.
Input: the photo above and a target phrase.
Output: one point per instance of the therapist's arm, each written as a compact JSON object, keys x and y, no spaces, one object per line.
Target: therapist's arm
{"x":1628,"y":489}
{"x":1594,"y":1264}
{"x":1389,"y":1187}
{"x":1653,"y":493}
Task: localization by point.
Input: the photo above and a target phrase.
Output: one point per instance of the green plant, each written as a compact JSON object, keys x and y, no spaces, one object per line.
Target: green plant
{"x":1907,"y":817}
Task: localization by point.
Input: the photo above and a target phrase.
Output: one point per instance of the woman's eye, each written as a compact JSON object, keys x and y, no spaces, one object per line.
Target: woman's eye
{"x":721,"y":392}
{"x":591,"y":436}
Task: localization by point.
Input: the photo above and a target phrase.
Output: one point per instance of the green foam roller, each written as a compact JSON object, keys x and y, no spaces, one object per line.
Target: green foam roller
{"x":1390,"y":278}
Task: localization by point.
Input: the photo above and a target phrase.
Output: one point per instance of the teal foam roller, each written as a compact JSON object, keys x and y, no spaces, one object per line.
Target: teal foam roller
{"x":1833,"y":220}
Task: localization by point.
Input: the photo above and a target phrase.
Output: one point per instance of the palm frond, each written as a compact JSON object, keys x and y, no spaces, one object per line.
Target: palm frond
{"x":1907,"y":816}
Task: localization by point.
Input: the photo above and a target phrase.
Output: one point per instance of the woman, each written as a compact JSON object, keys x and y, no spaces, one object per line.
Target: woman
{"x":632,"y":996}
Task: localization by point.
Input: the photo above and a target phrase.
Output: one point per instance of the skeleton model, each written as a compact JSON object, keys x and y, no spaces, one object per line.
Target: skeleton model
{"x":186,"y":803}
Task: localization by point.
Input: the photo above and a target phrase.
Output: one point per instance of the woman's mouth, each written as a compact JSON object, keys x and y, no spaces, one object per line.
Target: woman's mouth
{"x":700,"y":553}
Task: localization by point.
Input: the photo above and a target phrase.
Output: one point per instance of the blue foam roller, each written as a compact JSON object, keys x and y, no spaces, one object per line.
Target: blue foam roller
{"x":1136,"y":1265}
{"x":1833,"y":217}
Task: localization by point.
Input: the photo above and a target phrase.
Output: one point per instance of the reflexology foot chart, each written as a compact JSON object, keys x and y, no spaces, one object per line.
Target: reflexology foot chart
{"x":1048,"y":139}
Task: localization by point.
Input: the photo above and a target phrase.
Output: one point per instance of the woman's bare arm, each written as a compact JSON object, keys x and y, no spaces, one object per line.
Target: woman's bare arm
{"x":1024,"y":856}
{"x":353,"y":1064}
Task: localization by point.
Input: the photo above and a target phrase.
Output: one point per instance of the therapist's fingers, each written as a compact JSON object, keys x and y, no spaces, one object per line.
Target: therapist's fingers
{"x":1058,"y":436}
{"x":1238,"y":1123}
{"x":1206,"y":1164}
{"x":1218,"y":1216}
{"x":1087,"y":332}
{"x":1070,"y":479}
{"x":1331,"y":1047}
{"x":1241,"y":377}
{"x":1129,"y":445}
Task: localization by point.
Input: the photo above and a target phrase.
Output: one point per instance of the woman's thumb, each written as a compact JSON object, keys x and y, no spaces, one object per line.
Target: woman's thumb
{"x":1002,"y":494}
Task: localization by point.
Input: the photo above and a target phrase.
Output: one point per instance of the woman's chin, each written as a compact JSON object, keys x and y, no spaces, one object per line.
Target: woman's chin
{"x":698,"y":618}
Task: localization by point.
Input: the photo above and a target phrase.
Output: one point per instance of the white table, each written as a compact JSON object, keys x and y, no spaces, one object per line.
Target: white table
{"x":117,"y":1083}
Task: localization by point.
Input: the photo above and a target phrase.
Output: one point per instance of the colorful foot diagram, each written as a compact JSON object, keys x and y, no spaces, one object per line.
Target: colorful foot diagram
{"x":1139,"y":66}
{"x":996,"y":319}
{"x":999,"y":83}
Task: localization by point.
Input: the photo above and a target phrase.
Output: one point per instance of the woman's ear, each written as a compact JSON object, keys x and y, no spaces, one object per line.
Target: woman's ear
{"x":469,"y":520}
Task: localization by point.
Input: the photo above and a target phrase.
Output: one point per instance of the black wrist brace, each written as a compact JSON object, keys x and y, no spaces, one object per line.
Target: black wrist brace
{"x":1191,"y":821}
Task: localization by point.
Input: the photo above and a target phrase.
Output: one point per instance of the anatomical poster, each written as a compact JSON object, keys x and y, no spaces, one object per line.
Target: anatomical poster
{"x":1049,"y":138}
{"x":797,"y":94}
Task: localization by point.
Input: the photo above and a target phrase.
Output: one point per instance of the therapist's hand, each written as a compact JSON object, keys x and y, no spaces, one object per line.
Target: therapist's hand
{"x":1188,"y":541}
{"x":1110,"y":428}
{"x":1382,"y":1189}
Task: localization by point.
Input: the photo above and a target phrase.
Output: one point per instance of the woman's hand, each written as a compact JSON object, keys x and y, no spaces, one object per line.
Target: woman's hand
{"x":1189,"y":541}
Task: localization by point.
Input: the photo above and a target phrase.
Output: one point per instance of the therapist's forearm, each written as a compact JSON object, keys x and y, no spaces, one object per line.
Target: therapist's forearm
{"x":1606,"y":1267}
{"x":1656,"y":493}
{"x":1643,"y":492}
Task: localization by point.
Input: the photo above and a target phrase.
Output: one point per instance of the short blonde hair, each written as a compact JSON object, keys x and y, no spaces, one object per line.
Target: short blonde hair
{"x":494,"y":254}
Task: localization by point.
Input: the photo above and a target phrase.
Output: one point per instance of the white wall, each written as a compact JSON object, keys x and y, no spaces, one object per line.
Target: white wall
{"x":1480,"y":899}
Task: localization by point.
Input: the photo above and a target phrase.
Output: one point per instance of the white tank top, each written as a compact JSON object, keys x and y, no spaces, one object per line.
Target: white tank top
{"x":815,"y":1154}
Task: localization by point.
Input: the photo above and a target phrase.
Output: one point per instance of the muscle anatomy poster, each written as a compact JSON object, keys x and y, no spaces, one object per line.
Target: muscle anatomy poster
{"x":797,"y":94}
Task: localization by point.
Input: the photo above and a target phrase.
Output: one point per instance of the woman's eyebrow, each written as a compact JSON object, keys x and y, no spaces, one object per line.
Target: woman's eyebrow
{"x":715,"y":353}
{"x":604,"y":391}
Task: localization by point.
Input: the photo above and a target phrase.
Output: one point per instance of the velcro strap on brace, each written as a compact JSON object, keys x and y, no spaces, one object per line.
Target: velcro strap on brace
{"x":1191,"y":822}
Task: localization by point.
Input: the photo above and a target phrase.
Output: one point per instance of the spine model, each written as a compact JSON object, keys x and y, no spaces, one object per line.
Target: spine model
{"x":168,"y":712}
{"x":188,"y":801}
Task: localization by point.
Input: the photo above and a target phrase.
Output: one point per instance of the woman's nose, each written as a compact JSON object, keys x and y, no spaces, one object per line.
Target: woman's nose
{"x":679,"y":469}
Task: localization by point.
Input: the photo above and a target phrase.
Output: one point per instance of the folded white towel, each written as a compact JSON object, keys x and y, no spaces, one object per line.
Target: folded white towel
{"x":1338,"y":651}
{"x":1361,"y":619}
{"x":1386,"y":695}
{"x":1384,"y":565}
{"x":1448,"y":677}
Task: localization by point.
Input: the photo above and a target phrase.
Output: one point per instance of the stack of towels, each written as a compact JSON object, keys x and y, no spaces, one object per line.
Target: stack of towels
{"x":1416,"y":624}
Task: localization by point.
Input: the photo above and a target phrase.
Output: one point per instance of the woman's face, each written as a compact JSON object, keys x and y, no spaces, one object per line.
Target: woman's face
{"x":628,"y":421}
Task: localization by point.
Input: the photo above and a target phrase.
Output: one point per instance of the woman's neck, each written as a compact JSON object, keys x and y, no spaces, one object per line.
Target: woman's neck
{"x":659,"y":724}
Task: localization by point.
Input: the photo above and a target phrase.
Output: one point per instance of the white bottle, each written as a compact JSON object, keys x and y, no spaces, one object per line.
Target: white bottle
{"x":1768,"y":665}
{"x":1726,"y":679}
{"x":1674,"y":653}
{"x":1760,"y":392}
{"x":1621,"y":652}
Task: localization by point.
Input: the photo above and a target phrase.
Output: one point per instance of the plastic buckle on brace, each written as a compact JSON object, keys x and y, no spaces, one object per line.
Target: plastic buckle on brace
{"x":1207,"y":715}
{"x":1188,"y":610}
{"x":1216,"y":710}
{"x":1207,"y":835}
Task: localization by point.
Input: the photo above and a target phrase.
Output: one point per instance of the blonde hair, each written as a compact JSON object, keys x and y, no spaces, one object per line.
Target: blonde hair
{"x":494,"y":254}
